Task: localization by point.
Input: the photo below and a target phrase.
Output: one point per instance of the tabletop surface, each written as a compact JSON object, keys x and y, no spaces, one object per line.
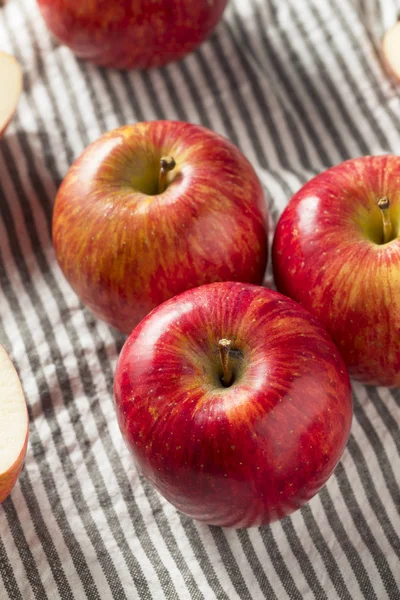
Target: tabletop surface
{"x":299,"y":86}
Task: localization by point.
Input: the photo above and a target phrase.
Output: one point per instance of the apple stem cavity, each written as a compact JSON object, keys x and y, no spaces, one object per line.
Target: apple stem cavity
{"x":384,"y":204}
{"x":167,"y":164}
{"x":224,"y":350}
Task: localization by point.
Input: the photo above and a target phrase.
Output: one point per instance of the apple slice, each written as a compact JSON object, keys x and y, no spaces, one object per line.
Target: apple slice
{"x":13,"y":425}
{"x":391,"y":50}
{"x":10,"y":88}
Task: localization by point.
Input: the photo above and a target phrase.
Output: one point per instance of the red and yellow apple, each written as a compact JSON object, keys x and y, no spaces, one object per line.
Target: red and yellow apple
{"x":234,"y":402}
{"x":336,"y":251}
{"x":14,"y":425}
{"x":10,"y":88}
{"x":153,"y":209}
{"x":132,"y":34}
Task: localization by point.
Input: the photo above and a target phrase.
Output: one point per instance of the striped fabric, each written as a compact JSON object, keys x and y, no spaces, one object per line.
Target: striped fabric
{"x":298,"y":86}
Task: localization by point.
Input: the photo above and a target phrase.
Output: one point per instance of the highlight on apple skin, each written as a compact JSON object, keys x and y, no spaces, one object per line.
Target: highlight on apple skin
{"x":336,"y":250}
{"x":152,"y":209}
{"x":234,"y":402}
{"x":132,"y":35}
{"x":10,"y":89}
{"x":14,"y":426}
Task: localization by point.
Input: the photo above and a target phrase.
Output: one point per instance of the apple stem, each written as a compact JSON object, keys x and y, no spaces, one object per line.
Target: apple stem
{"x":384,"y":204}
{"x":224,"y":349}
{"x":167,"y":163}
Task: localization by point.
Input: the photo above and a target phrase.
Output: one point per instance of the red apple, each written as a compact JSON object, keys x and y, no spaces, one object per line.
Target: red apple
{"x":235,"y":403}
{"x":337,"y":251}
{"x":129,"y":234}
{"x":13,"y":425}
{"x":127,"y":34}
{"x":10,"y":88}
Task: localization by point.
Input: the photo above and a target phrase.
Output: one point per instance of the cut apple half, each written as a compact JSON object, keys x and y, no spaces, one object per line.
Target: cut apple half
{"x":10,"y":88}
{"x":391,"y":50}
{"x":14,"y":425}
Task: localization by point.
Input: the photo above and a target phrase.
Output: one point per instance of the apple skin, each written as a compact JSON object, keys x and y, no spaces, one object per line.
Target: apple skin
{"x":125,"y":251}
{"x":329,"y":256}
{"x":5,"y":126}
{"x":7,"y":123}
{"x":243,"y":455}
{"x":127,"y":34}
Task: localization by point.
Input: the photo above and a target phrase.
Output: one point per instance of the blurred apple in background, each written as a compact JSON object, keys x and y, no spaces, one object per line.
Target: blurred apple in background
{"x":153,"y":209}
{"x":235,"y":403}
{"x":337,"y":252}
{"x":10,"y":88}
{"x":132,"y":34}
{"x":14,"y":425}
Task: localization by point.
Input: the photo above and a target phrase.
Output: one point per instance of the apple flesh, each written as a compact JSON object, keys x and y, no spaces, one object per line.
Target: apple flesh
{"x":10,"y":88}
{"x":234,"y":402}
{"x":127,"y":34}
{"x":391,"y":50}
{"x":336,"y":251}
{"x":153,"y":209}
{"x":13,"y":426}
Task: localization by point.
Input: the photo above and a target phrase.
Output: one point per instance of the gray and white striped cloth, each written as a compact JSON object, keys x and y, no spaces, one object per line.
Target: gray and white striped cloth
{"x":298,"y":85}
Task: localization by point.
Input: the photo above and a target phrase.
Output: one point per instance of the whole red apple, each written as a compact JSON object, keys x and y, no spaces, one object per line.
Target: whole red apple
{"x":153,"y":209}
{"x":337,"y":251}
{"x":235,"y":403}
{"x":132,"y":34}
